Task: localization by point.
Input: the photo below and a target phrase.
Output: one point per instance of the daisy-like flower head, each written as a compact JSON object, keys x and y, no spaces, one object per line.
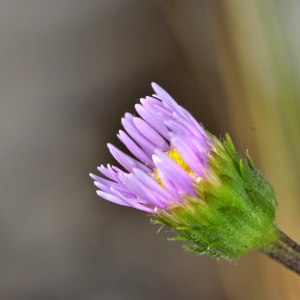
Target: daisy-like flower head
{"x":188,"y":180}
{"x":171,"y":150}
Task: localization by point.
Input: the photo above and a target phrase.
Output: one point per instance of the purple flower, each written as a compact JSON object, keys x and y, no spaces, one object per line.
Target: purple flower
{"x":191,"y":181}
{"x":171,"y":148}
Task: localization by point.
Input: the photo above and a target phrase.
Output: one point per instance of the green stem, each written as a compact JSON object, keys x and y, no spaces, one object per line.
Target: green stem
{"x":281,"y":248}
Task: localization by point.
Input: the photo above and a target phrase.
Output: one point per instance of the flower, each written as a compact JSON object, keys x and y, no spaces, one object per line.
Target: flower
{"x":189,"y":180}
{"x":167,"y":140}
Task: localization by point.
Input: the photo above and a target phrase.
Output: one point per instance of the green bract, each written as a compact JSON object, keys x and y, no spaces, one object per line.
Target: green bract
{"x":234,"y":209}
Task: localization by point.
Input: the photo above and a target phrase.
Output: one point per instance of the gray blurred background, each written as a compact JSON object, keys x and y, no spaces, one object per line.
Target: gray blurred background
{"x":69,"y":71}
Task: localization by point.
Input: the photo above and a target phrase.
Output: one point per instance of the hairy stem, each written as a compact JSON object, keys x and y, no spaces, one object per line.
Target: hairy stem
{"x":282,"y":249}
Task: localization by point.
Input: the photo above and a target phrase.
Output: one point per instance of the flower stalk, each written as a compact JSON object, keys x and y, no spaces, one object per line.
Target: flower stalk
{"x":278,"y":246}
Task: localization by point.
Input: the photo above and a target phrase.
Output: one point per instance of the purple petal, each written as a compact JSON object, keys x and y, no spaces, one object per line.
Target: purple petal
{"x":154,"y":101}
{"x":109,"y":183}
{"x":102,"y":180}
{"x":170,"y":187}
{"x":126,"y":161}
{"x":199,"y":146}
{"x":200,"y":128}
{"x":131,"y":203}
{"x":152,"y":184}
{"x":169,"y":106}
{"x":162,"y":93}
{"x":168,"y":167}
{"x":153,"y":136}
{"x":178,"y":128}
{"x":102,"y":187}
{"x":114,"y":172}
{"x":187,"y":154}
{"x":138,"y":137}
{"x":111,"y":198}
{"x":116,"y":169}
{"x":200,"y":149}
{"x":151,"y":119}
{"x":136,"y":187}
{"x":106,"y":172}
{"x":163,"y":110}
{"x":144,"y":192}
{"x":134,"y":149}
{"x":120,"y":189}
{"x":191,"y":126}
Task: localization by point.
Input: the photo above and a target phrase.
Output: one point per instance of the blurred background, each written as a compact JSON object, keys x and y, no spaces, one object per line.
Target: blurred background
{"x":69,"y":71}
